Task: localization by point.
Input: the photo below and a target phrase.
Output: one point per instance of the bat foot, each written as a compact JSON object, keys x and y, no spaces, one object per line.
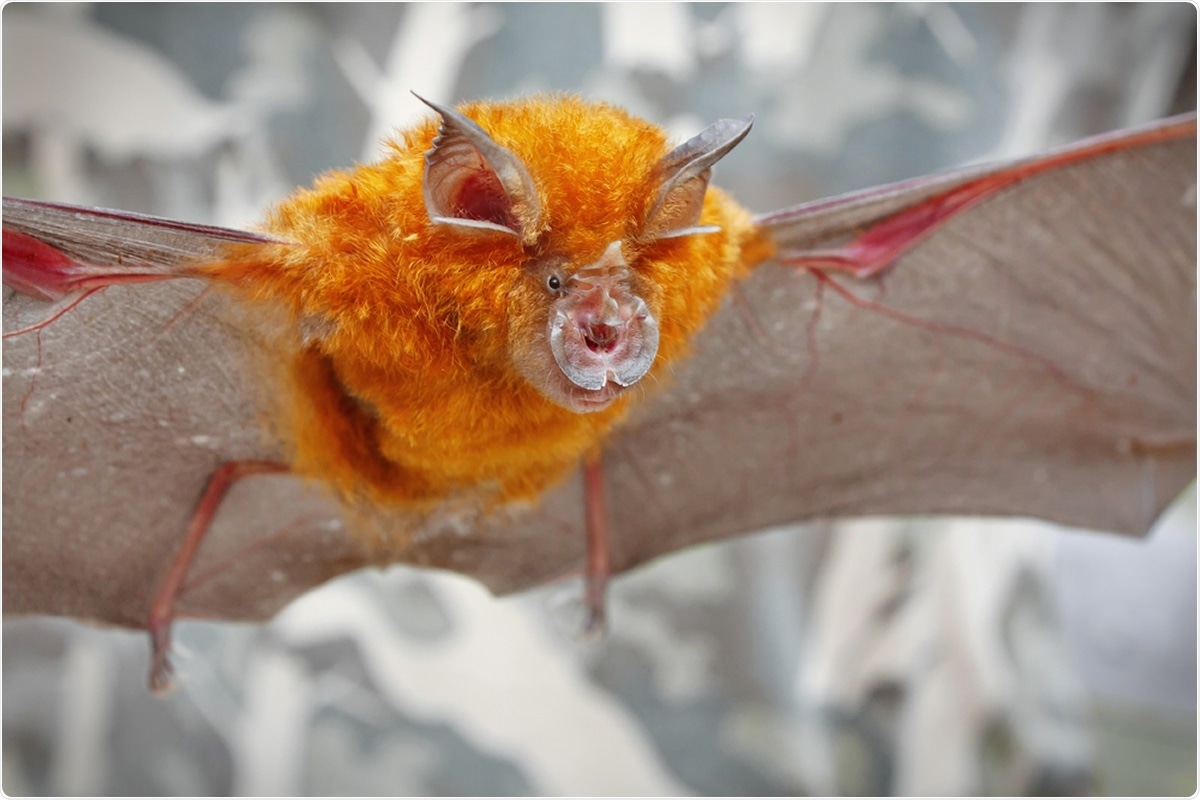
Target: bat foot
{"x":595,"y":628}
{"x":160,"y":662}
{"x":162,"y":610}
{"x":577,"y":615}
{"x":599,"y":558}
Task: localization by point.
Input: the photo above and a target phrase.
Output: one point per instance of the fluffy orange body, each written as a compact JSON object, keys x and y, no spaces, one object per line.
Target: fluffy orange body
{"x":407,"y":333}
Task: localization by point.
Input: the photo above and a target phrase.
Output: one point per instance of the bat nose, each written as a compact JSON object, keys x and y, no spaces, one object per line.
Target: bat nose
{"x":602,"y":318}
{"x":604,"y":322}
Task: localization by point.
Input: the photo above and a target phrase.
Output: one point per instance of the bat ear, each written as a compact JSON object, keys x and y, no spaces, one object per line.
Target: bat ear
{"x":474,"y":184}
{"x":685,"y":172}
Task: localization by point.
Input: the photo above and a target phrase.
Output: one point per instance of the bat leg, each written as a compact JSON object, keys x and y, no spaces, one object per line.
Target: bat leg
{"x":162,"y":610}
{"x":598,"y":554}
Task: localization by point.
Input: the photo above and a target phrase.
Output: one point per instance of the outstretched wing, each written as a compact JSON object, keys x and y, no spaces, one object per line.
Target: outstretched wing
{"x":118,"y":411}
{"x":1032,"y":353}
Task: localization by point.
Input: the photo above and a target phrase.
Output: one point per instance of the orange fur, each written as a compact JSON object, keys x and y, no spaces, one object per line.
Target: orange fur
{"x":406,"y":392}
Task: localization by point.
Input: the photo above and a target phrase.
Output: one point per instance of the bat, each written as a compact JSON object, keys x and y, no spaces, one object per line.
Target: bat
{"x":943,"y":345}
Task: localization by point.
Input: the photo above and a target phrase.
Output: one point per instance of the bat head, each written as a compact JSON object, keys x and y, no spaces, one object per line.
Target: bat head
{"x":585,"y":324}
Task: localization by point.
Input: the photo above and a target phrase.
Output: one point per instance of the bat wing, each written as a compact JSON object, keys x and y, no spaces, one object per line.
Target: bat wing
{"x":1031,"y":353}
{"x":117,"y":413}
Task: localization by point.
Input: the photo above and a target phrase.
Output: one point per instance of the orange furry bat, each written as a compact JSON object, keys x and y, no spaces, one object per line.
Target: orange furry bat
{"x":491,"y":326}
{"x":463,"y":323}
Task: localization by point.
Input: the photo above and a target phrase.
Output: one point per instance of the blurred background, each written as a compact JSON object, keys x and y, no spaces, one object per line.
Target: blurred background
{"x":906,"y":656}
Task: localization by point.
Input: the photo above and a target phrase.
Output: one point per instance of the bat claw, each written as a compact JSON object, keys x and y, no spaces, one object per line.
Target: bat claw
{"x":595,"y":626}
{"x":160,"y":662}
{"x":599,"y":559}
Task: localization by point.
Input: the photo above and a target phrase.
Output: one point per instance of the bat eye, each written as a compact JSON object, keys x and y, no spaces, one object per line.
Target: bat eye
{"x":553,"y":283}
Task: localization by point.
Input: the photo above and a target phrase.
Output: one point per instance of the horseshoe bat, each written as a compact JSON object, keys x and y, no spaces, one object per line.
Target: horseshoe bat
{"x":534,"y":339}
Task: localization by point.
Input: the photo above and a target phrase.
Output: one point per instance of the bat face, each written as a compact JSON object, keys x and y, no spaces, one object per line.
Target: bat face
{"x":600,"y":336}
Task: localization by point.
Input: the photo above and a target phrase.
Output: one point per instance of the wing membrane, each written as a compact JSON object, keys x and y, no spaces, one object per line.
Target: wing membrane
{"x":54,"y":249}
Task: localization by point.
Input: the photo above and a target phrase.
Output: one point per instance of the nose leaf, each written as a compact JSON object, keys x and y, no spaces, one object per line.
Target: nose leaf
{"x":600,"y":339}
